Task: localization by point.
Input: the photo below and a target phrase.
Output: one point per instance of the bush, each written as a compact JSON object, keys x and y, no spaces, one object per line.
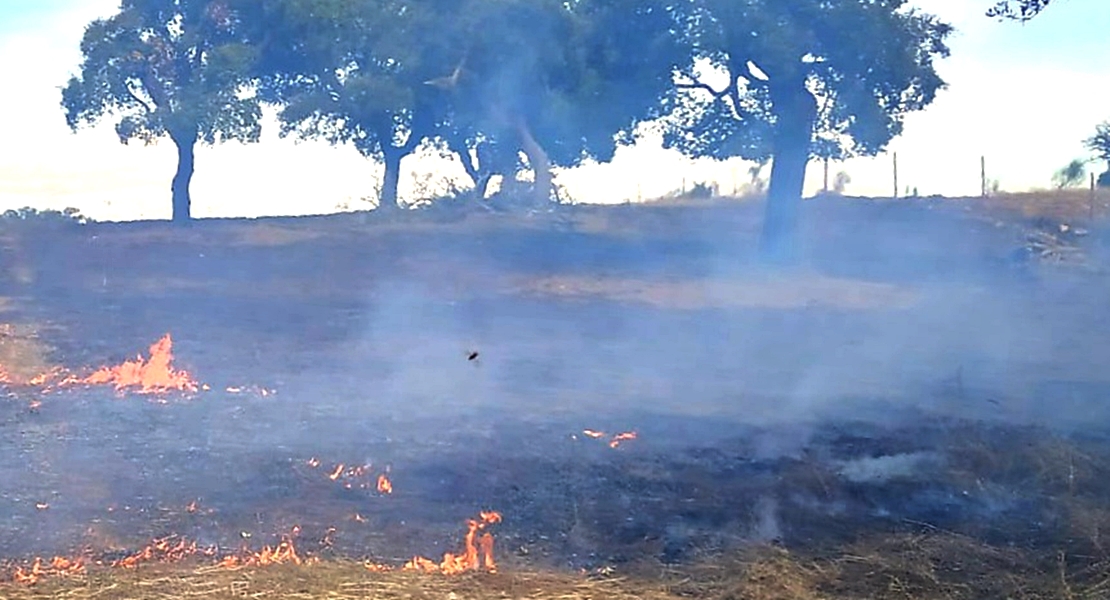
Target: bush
{"x":69,"y":216}
{"x":1104,"y":180}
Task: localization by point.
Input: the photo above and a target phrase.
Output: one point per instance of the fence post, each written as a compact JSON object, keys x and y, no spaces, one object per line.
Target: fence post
{"x":1091,"y":200}
{"x":983,"y":176}
{"x":895,"y":175}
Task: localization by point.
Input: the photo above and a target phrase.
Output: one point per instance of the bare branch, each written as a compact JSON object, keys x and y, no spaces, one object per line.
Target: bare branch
{"x":698,"y":85}
{"x":136,"y":98}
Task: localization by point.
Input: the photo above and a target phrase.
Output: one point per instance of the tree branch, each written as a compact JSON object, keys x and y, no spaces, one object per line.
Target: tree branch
{"x":130,"y":92}
{"x":698,"y":85}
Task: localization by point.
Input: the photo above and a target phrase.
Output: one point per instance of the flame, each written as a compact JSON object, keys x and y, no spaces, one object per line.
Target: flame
{"x":42,"y":505}
{"x":336,"y":473}
{"x":615,"y":440}
{"x":163,"y":550}
{"x":39,"y":569}
{"x":283,"y":553}
{"x":621,"y":437}
{"x":477,"y":552}
{"x":385,"y":486}
{"x":146,"y":376}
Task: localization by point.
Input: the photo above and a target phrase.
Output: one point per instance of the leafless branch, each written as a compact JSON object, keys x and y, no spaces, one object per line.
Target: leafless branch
{"x":141,"y":102}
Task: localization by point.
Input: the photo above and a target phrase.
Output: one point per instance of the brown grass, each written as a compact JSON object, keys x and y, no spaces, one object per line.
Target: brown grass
{"x":792,"y":293}
{"x":1068,"y":206}
{"x":330,"y":580}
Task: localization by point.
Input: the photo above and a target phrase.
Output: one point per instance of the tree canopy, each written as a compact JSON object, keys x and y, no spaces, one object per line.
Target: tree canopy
{"x":175,"y":68}
{"x":506,"y":84}
{"x":801,"y":79}
{"x":1017,"y":10}
{"x":560,"y":81}
{"x":1099,"y":143}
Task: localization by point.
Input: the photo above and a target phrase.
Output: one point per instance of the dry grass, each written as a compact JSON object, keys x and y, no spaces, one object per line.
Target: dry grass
{"x":23,"y":354}
{"x":935,"y":565}
{"x":330,"y":580}
{"x":791,"y":293}
{"x":1068,"y":206}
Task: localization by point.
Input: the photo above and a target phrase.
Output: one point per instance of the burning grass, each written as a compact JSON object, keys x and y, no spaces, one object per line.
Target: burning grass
{"x":339,"y":580}
{"x":932,"y":565}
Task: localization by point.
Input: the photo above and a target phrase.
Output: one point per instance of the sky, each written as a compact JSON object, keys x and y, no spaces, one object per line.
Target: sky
{"x":1022,"y":96}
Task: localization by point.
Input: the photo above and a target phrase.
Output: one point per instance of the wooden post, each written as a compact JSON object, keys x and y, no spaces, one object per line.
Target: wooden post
{"x":1091,"y":200}
{"x":983,"y":176}
{"x":895,"y":175}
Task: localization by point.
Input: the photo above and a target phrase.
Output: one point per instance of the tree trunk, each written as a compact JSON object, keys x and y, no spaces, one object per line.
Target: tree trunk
{"x":482,"y":187}
{"x":388,"y":199}
{"x":796,"y":111}
{"x":182,"y":204}
{"x":540,"y":163}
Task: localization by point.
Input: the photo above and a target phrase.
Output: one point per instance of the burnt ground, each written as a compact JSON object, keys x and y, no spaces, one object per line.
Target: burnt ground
{"x":916,"y":372}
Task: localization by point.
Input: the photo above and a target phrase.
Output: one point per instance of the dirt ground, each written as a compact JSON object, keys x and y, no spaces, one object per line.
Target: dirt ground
{"x":860,"y":391}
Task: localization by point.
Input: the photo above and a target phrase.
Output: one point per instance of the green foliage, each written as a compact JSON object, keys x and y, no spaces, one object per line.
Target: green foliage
{"x":1071,"y":175}
{"x":1017,"y":10}
{"x":176,"y":67}
{"x":28,"y":215}
{"x":349,"y":71}
{"x":580,"y":74}
{"x":862,"y":89}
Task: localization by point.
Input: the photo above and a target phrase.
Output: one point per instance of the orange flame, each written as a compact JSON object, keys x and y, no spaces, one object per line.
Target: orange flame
{"x":58,"y":566}
{"x":385,"y":486}
{"x":593,"y":434}
{"x":164,"y":550}
{"x":478,"y":551}
{"x":146,"y":376}
{"x":336,"y":473}
{"x":621,"y":437}
{"x":283,"y":553}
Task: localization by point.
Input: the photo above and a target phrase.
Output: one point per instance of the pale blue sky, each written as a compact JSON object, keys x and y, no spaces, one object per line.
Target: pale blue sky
{"x":1023,"y":95}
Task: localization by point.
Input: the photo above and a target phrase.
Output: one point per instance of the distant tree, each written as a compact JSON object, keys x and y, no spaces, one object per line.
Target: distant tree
{"x":355,"y":72}
{"x":177,"y":68}
{"x":1099,"y":143}
{"x":1070,"y":175}
{"x":803,"y":79}
{"x":1017,"y":10}
{"x":559,"y":81}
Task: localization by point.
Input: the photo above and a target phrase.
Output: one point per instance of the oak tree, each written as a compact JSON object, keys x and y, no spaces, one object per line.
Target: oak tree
{"x":800,"y":79}
{"x":176,"y":68}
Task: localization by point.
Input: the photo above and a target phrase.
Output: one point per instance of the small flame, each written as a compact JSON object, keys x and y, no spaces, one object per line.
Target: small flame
{"x":622,"y":437}
{"x":283,"y":553}
{"x":385,"y":486}
{"x":40,"y":569}
{"x":334,"y":476}
{"x":162,"y":550}
{"x":593,"y":434}
{"x":477,"y":553}
{"x":42,"y":505}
